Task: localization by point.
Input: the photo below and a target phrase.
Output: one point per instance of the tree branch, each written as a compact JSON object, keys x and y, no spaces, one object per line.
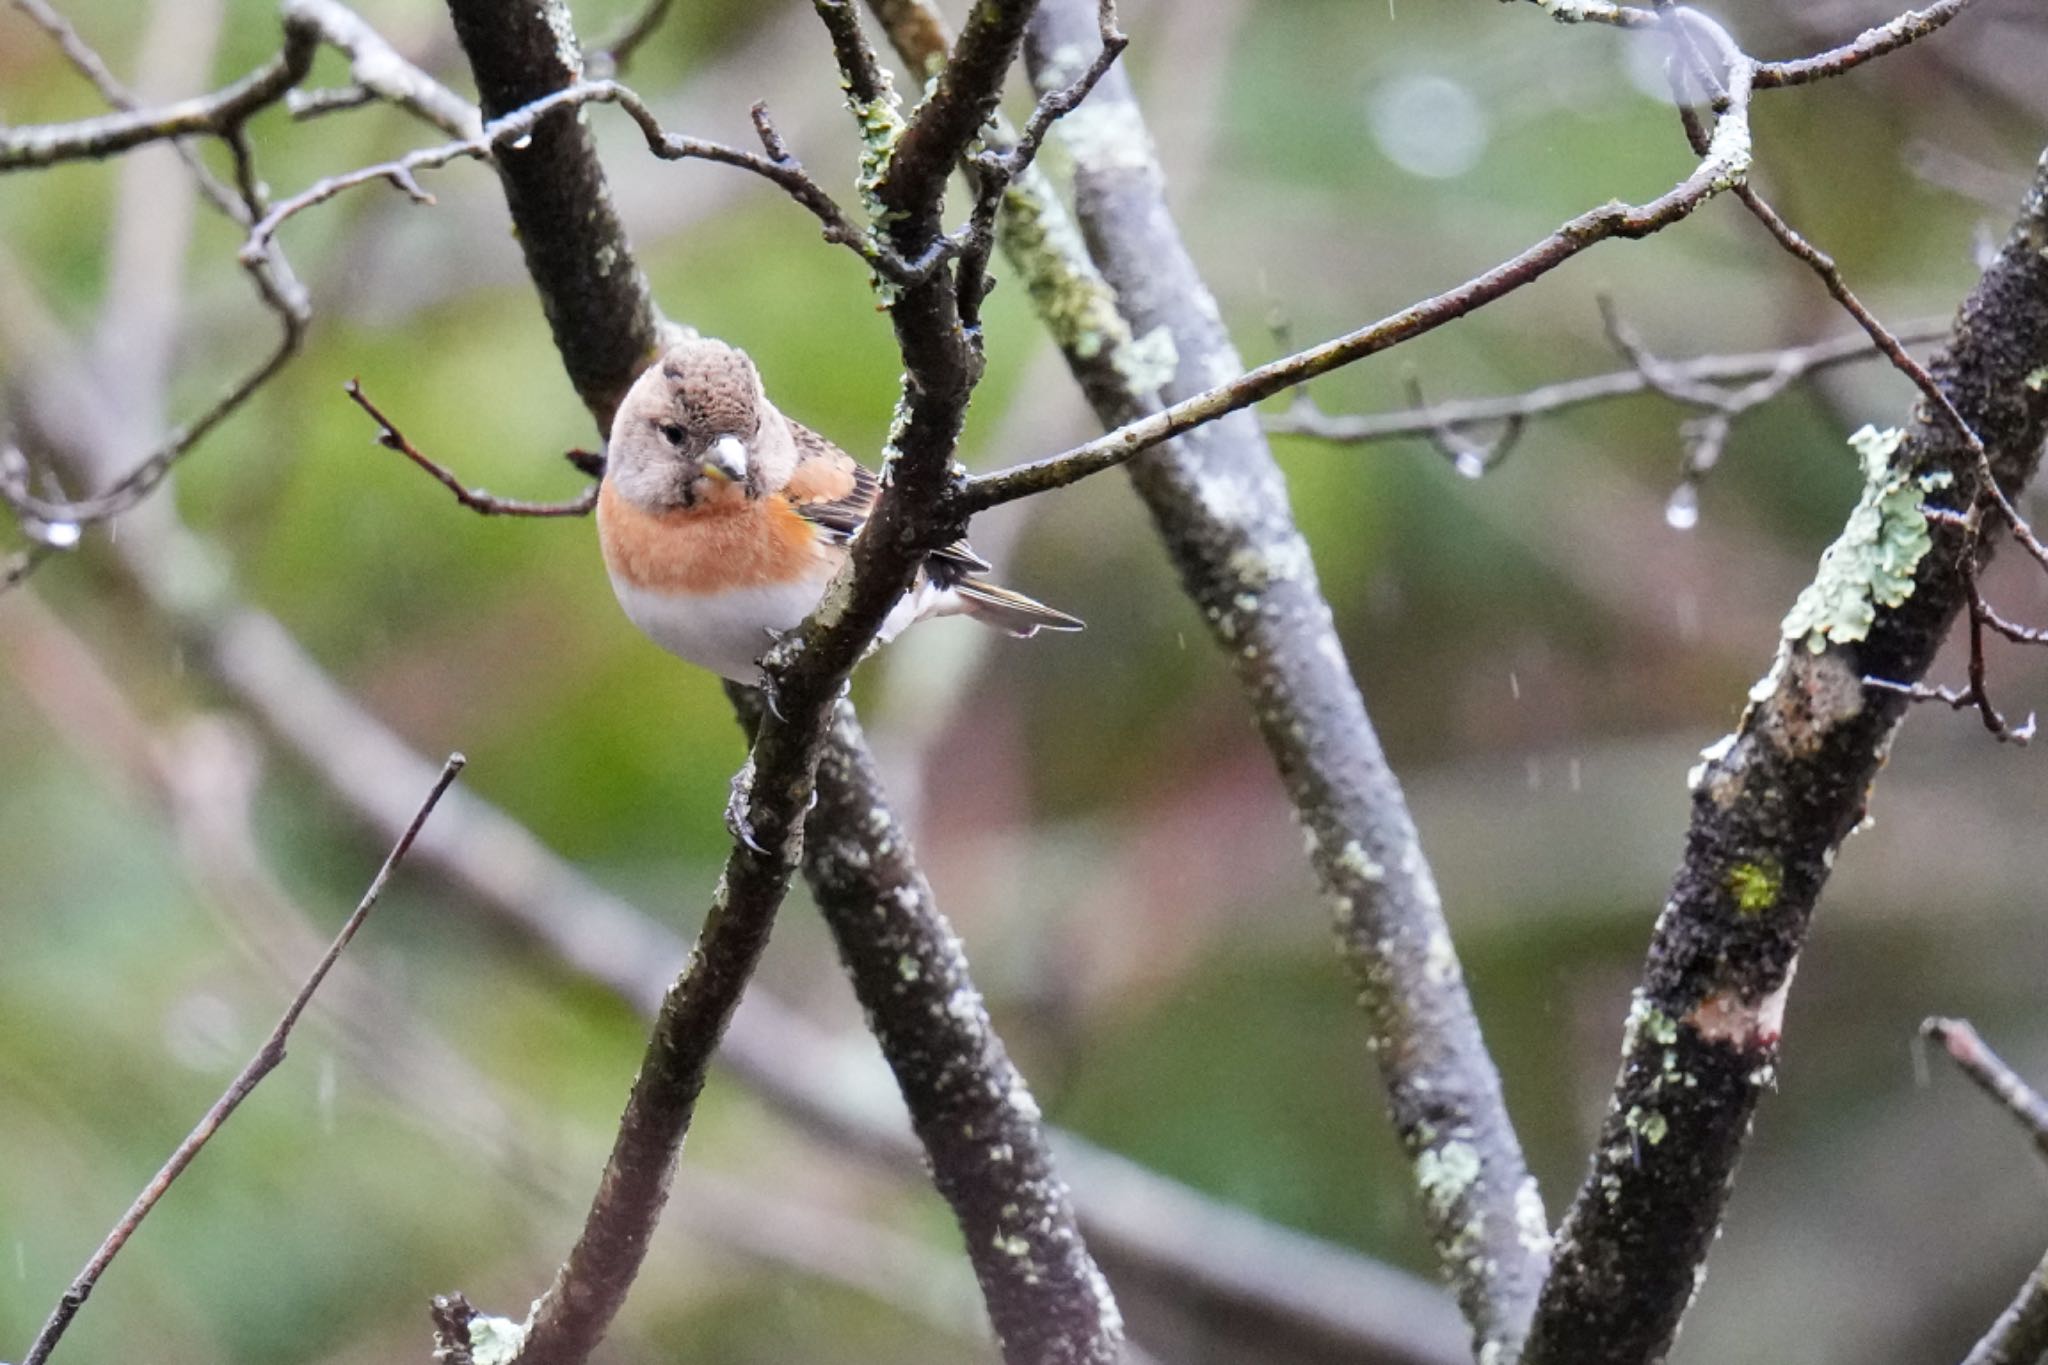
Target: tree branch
{"x":1990,"y":1073}
{"x":1779,"y":367}
{"x":773,"y":791}
{"x":1876,"y":42}
{"x":970,"y":1106}
{"x":262,"y":1064}
{"x":1220,"y":506}
{"x":227,"y":109}
{"x":2020,"y":1336}
{"x":1771,"y":804}
{"x":1721,"y":169}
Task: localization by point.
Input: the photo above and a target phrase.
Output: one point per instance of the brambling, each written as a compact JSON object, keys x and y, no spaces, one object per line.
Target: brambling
{"x":722,"y":521}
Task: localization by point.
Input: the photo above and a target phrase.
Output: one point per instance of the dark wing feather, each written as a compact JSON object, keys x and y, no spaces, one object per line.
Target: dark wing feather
{"x":841,"y":517}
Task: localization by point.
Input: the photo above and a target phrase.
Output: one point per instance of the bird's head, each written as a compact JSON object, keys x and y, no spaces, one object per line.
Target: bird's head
{"x":696,"y":427}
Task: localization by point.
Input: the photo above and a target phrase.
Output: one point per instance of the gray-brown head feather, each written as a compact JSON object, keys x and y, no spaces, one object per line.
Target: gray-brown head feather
{"x":699,"y":392}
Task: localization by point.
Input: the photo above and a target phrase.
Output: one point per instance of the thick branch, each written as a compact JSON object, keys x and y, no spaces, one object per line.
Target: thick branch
{"x":951,"y":118}
{"x":2020,"y":1336}
{"x":971,"y":1107}
{"x":1771,"y":805}
{"x":596,"y":300}
{"x":773,"y":791}
{"x":1221,"y":507}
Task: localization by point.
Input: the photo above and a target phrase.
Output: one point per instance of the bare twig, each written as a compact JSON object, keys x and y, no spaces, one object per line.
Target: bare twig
{"x":376,"y":67}
{"x":1876,"y":42}
{"x":223,"y":115}
{"x":998,"y":168}
{"x":16,"y":568}
{"x":139,"y":482}
{"x":90,"y":65}
{"x":475,"y":499}
{"x":1722,"y":168}
{"x":1975,"y":694}
{"x":1750,"y":368}
{"x":510,"y":129}
{"x":262,"y":1064}
{"x":35,"y":145}
{"x":2020,"y":1336}
{"x":614,"y":53}
{"x":1992,"y":1075}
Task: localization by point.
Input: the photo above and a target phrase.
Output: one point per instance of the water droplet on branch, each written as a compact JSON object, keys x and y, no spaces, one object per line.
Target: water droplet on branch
{"x":1682,"y":509}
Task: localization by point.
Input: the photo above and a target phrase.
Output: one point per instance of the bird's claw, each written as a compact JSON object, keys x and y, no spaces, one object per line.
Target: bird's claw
{"x":736,"y":821}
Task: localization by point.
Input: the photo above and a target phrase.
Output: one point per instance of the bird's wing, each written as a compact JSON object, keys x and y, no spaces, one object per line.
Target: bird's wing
{"x":836,"y":493}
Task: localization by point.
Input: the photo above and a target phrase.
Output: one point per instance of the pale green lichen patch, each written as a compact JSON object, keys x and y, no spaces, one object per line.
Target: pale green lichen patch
{"x":1755,"y":886}
{"x":1071,"y":298}
{"x":1148,"y":363}
{"x":1354,"y":861}
{"x":1645,"y":1020}
{"x":880,"y":121}
{"x":1871,"y":563}
{"x":1446,"y":1174}
{"x":1108,"y":136}
{"x":1729,"y":151}
{"x":495,"y":1341}
{"x":1647,"y":1124}
{"x":1011,"y":1244}
{"x":2038,"y":380}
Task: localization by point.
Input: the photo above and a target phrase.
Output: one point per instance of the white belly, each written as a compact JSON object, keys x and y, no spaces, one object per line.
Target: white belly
{"x":728,"y":632}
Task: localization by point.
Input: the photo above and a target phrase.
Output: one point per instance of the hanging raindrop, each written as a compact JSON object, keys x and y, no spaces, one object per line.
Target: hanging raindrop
{"x":1682,"y":509}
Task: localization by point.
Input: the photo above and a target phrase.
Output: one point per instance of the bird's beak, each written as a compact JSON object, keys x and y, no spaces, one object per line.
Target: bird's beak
{"x":727,"y":459}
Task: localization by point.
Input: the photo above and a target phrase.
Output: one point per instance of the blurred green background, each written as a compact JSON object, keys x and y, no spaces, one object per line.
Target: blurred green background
{"x":1543,"y":654}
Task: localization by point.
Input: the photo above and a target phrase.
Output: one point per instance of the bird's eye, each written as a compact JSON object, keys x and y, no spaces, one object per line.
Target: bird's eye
{"x":672,"y":433}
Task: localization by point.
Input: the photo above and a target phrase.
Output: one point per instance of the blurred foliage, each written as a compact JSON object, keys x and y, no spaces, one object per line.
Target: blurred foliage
{"x":1541,"y":652}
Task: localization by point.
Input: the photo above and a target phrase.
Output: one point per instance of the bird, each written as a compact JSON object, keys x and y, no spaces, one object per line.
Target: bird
{"x":722,"y":521}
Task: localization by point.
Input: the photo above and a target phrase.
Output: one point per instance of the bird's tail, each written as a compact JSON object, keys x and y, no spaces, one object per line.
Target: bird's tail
{"x":1010,"y":611}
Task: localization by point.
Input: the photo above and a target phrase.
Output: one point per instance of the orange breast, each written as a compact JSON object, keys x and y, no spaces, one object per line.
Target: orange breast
{"x":731,"y":543}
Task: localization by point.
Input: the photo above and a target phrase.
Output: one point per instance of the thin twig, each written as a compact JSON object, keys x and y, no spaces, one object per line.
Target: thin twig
{"x":475,"y":499}
{"x":262,"y":1064}
{"x":36,"y":145}
{"x":996,"y":170}
{"x":1721,"y":168}
{"x":1303,"y":418}
{"x":377,"y":67}
{"x":614,"y":53}
{"x":1875,"y":42}
{"x":2020,"y":1335}
{"x":1992,"y":1075}
{"x":93,"y":67}
{"x":784,"y":172}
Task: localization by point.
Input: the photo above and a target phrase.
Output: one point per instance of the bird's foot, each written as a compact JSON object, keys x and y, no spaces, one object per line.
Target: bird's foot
{"x":736,"y":804}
